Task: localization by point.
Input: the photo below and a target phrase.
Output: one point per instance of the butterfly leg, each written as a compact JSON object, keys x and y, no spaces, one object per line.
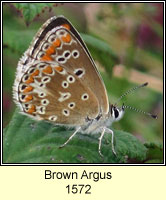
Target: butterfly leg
{"x":100,"y":140}
{"x":110,"y":131}
{"x":70,"y":137}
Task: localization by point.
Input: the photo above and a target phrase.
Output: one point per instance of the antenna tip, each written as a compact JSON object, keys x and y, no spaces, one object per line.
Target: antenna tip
{"x":145,"y":84}
{"x":154,"y":116}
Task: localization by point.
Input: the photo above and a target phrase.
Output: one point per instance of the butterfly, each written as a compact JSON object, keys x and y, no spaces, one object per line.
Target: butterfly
{"x":57,"y":81}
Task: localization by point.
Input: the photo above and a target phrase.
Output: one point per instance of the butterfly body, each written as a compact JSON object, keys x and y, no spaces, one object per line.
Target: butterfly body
{"x":58,"y":81}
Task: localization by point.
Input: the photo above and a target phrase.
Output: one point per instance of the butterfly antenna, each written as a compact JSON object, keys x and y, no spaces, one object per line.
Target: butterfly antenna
{"x":131,"y":90}
{"x":140,"y":111}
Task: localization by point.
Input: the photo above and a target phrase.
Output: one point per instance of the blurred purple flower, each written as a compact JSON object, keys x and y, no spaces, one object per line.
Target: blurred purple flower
{"x":146,"y":35}
{"x":6,"y":102}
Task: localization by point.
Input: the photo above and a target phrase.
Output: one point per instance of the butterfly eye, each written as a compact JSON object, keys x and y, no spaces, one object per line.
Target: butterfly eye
{"x":116,"y":113}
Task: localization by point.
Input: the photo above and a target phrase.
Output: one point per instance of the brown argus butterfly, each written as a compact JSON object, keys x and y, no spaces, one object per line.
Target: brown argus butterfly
{"x":57,"y":80}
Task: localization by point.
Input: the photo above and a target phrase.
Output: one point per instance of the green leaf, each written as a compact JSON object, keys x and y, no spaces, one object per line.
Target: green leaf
{"x":154,"y":153}
{"x":29,"y":141}
{"x":17,"y":40}
{"x":31,"y":10}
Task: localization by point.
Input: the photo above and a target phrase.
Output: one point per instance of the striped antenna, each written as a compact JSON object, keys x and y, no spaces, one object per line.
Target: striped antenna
{"x":131,"y":90}
{"x":140,"y":111}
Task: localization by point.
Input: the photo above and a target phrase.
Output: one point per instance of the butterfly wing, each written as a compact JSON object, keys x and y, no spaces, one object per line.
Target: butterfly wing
{"x":56,"y":54}
{"x":92,"y":77}
{"x":47,"y":91}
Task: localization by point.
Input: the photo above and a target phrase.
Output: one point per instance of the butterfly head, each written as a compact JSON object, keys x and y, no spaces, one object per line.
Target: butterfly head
{"x":116,"y":113}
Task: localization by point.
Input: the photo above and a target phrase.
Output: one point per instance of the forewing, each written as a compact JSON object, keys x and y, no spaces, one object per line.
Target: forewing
{"x":57,"y":40}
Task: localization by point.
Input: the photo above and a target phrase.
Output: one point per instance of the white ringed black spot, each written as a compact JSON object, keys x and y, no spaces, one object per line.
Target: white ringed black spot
{"x":71,"y":105}
{"x":42,"y":94}
{"x":22,"y":97}
{"x":41,"y":65}
{"x":26,"y":106}
{"x":71,"y":79}
{"x":42,"y":85}
{"x":26,"y":109}
{"x":60,"y":59}
{"x":60,"y":32}
{"x":67,"y":54}
{"x":53,"y":118}
{"x":75,"y":53}
{"x":66,"y":112}
{"x":45,"y":46}
{"x":22,"y":87}
{"x":85,"y":97}
{"x":65,"y":84}
{"x":44,"y":102}
{"x":51,"y":38}
{"x":46,"y":79}
{"x":41,"y":110}
{"x":31,"y":70}
{"x":40,"y":54}
{"x":25,"y":78}
{"x":79,"y":72}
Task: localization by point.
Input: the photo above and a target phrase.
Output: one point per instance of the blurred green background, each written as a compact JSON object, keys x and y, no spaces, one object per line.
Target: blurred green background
{"x":132,"y":53}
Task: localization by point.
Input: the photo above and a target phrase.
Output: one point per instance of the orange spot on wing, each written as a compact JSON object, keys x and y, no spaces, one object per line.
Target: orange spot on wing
{"x":47,"y":70}
{"x":31,"y":109}
{"x":28,"y":89}
{"x":35,"y":73}
{"x":50,"y":50}
{"x":28,"y":98}
{"x":67,"y":26}
{"x":66,"y":38}
{"x":57,"y":43}
{"x":46,"y":58}
{"x":59,"y":69}
{"x":30,"y":80}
